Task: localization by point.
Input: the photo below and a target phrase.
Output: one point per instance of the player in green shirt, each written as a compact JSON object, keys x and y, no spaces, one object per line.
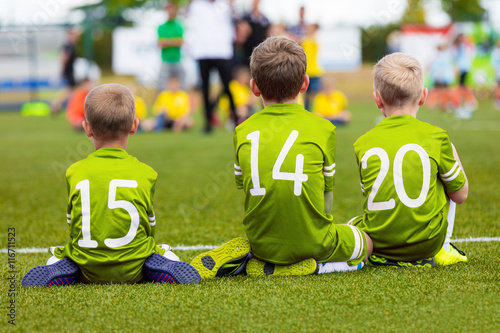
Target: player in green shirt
{"x":285,"y":163}
{"x":411,"y":175}
{"x":110,"y":208}
{"x":170,"y":40}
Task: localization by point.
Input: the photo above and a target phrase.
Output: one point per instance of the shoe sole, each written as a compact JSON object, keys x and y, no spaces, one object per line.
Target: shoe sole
{"x":259,"y":268}
{"x":162,"y":270}
{"x":427,"y":263}
{"x":234,"y":252}
{"x":62,"y":273}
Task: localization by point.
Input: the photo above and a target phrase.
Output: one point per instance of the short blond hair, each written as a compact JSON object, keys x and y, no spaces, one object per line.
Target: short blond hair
{"x":399,"y":79}
{"x":278,"y":67}
{"x":110,"y":110}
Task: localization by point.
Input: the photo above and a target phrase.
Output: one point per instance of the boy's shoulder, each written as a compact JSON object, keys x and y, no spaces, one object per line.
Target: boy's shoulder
{"x":403,"y":125}
{"x":95,"y":161}
{"x":280,"y":116}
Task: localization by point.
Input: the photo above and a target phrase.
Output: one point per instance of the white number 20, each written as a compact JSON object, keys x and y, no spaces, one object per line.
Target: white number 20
{"x":297,"y":177}
{"x":84,"y":187}
{"x":398,"y":177}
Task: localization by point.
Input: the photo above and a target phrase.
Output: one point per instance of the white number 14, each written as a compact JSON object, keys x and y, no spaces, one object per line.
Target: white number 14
{"x":297,"y":177}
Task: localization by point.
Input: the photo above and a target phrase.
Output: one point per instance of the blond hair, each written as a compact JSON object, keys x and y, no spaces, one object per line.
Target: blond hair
{"x":278,"y":67}
{"x":399,"y":79}
{"x":110,"y":110}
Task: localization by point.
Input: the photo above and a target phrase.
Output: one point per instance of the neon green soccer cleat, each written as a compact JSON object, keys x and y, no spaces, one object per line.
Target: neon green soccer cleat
{"x":260,"y":268}
{"x":374,"y":260}
{"x":454,"y":256}
{"x":224,"y":260}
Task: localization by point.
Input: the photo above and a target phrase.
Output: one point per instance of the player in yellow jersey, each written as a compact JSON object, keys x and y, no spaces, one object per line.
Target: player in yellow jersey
{"x":331,"y":104}
{"x":310,"y":46}
{"x":243,"y":98}
{"x":172,"y":107}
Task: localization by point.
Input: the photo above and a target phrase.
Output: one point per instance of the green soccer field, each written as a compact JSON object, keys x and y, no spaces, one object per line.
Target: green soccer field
{"x":196,"y":203}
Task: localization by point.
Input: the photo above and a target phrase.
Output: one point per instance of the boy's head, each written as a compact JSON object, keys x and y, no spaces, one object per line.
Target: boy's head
{"x":278,"y":68}
{"x":110,"y":111}
{"x":398,"y":79}
{"x":242,"y":75}
{"x":174,"y":83}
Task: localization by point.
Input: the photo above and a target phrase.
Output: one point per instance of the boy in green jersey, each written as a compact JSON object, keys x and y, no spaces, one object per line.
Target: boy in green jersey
{"x":411,"y":175}
{"x":285,"y":163}
{"x":110,"y":207}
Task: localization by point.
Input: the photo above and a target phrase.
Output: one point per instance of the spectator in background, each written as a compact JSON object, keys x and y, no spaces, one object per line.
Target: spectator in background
{"x":68,"y":57}
{"x":170,"y":39}
{"x":75,"y":111}
{"x":211,"y":44}
{"x":442,"y":74}
{"x":495,"y":62}
{"x":298,"y":32}
{"x":310,"y":46}
{"x":258,"y":31}
{"x":464,"y":55}
{"x":331,"y":104}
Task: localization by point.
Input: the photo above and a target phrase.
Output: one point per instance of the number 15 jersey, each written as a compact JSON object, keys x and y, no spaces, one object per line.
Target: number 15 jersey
{"x":285,"y":161}
{"x":406,"y":168}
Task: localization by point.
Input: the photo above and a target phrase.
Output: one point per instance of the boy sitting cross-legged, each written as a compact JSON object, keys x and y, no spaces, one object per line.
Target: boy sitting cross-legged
{"x":285,"y":163}
{"x":110,"y":207}
{"x":411,"y":175}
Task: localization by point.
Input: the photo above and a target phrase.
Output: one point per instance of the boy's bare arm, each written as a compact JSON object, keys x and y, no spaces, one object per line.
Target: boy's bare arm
{"x":328,"y":201}
{"x":460,"y":196}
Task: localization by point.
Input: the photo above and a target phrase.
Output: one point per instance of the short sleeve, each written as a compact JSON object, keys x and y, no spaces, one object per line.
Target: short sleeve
{"x":329,"y":163}
{"x":450,"y":171}
{"x":238,"y":175}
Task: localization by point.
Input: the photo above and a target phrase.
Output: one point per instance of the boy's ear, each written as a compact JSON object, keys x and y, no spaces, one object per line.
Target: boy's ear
{"x":378,"y":100}
{"x":305,"y":84}
{"x":135,"y":125}
{"x":423,"y":97}
{"x":254,"y":88}
{"x":87,"y":129}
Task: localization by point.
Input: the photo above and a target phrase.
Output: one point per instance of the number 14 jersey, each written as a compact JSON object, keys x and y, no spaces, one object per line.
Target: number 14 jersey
{"x":406,"y":168}
{"x":285,"y":161}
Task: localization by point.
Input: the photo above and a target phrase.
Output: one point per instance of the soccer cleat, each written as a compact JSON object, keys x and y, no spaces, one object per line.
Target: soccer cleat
{"x":224,"y":260}
{"x":374,"y":260}
{"x":61,"y":273}
{"x":256,"y":267}
{"x":445,"y":258}
{"x":163,"y":270}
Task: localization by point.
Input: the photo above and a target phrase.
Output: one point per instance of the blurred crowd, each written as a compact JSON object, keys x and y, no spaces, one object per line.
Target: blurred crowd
{"x":221,"y":42}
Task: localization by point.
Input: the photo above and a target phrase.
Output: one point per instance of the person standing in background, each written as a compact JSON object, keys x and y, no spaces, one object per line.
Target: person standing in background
{"x":68,"y":57}
{"x":170,"y":39}
{"x":211,"y":44}
{"x":298,"y":32}
{"x":259,"y":28}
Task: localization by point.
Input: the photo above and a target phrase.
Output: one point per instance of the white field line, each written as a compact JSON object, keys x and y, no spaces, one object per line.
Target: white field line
{"x":210,"y":247}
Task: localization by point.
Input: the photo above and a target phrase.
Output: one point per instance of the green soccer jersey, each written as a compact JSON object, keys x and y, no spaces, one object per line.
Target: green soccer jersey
{"x":285,"y":161}
{"x":110,"y":216}
{"x":171,"y":30}
{"x":406,"y":168}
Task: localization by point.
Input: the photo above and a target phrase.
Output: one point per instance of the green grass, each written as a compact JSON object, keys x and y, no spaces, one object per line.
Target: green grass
{"x":196,"y":202}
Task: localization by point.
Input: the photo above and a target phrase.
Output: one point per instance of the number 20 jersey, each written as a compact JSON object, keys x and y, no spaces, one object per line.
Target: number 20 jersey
{"x":285,"y":161}
{"x":406,"y":168}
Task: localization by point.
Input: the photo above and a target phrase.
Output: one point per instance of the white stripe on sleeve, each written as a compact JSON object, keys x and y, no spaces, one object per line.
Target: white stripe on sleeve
{"x":449,"y":179}
{"x":444,"y":175}
{"x":328,"y":168}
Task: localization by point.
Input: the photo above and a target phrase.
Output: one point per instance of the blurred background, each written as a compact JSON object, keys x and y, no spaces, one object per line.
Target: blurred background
{"x":43,"y":43}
